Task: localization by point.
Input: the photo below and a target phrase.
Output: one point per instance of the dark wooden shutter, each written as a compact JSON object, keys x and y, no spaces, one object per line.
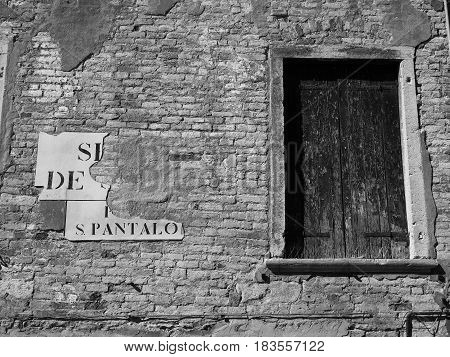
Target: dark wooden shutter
{"x":344,"y":194}
{"x":320,"y":172}
{"x":372,"y":175}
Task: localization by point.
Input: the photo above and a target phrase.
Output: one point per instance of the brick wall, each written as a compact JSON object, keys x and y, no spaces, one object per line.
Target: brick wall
{"x":185,"y":99}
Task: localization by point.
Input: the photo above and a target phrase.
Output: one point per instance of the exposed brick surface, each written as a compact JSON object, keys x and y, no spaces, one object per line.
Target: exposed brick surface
{"x":185,"y":100}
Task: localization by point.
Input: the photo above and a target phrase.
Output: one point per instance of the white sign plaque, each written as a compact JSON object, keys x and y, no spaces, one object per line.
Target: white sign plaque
{"x":94,"y":221}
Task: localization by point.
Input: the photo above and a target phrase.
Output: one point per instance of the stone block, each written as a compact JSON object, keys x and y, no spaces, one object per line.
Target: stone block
{"x":18,"y":289}
{"x":53,"y":214}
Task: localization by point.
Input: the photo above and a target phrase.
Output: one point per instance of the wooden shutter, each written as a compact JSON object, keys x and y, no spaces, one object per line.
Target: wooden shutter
{"x":344,"y":194}
{"x":372,"y":175}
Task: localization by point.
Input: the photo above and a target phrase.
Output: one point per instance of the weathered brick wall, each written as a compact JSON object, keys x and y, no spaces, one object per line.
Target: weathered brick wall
{"x":185,"y":99}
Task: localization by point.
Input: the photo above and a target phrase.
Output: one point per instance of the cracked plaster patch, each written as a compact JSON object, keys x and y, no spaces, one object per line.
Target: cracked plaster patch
{"x":80,"y":27}
{"x":408,"y":26}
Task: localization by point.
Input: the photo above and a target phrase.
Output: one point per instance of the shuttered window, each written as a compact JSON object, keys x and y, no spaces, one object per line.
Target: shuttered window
{"x":344,"y":178}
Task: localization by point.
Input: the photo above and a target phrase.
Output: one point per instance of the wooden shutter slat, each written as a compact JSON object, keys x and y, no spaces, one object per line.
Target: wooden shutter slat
{"x":309,"y":124}
{"x":322,"y":208}
{"x":345,"y":163}
{"x":334,"y":150}
{"x":374,"y":184}
{"x":377,"y":194}
{"x":353,"y":168}
{"x":311,"y":170}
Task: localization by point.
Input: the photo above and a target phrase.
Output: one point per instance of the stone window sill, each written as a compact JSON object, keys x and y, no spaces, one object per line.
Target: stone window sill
{"x":354,"y":266}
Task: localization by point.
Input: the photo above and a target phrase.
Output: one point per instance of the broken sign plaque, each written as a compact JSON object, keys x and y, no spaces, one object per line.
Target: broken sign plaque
{"x":62,"y":170}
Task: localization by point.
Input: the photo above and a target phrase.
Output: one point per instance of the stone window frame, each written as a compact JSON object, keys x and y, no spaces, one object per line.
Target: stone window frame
{"x":3,"y":64}
{"x":420,"y":207}
{"x":447,"y":21}
{"x":5,"y":127}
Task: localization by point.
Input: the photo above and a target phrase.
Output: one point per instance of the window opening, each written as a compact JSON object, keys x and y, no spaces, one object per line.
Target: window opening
{"x":344,"y":189}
